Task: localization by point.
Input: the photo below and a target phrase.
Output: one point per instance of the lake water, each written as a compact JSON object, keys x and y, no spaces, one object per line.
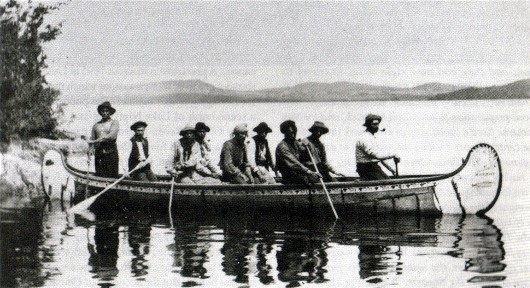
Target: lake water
{"x":41,"y":248}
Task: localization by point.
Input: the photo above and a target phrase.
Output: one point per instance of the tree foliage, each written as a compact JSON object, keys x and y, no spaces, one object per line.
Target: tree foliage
{"x":27,"y":102}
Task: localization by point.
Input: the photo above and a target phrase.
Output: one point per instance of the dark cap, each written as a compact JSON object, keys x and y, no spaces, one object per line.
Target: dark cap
{"x":200,"y":126}
{"x":138,"y":124}
{"x":287,"y":124}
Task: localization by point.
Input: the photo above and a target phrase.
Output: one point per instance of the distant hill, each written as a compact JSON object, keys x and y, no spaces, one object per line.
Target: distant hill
{"x":437,"y":88}
{"x":197,"y":91}
{"x":516,"y":90}
{"x":349,"y":91}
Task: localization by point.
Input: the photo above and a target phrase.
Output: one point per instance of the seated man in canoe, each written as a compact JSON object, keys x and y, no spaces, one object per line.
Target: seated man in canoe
{"x":368,"y":154}
{"x":259,"y":154}
{"x":288,"y":161}
{"x":201,"y":129}
{"x":140,"y":154}
{"x":318,"y":152}
{"x":184,"y":163}
{"x":234,"y":160}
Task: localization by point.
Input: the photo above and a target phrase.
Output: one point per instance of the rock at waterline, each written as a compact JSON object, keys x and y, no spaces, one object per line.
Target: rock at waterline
{"x":21,"y":166}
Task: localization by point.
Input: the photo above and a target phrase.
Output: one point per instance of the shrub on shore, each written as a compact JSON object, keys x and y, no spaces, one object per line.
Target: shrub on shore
{"x":28,"y":105}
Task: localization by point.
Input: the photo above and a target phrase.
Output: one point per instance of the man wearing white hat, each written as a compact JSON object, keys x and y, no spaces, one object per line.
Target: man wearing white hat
{"x":185,"y":162}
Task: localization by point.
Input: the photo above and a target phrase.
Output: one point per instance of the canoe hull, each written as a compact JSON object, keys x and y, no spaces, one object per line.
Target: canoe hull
{"x":374,"y":199}
{"x":473,"y":188}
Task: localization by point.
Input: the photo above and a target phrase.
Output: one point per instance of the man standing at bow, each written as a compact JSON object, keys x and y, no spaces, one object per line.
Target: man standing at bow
{"x":318,"y":152}
{"x":368,"y":153}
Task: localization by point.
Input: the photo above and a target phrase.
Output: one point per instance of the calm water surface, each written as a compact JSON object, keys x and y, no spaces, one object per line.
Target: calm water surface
{"x":245,"y":249}
{"x":41,"y":247}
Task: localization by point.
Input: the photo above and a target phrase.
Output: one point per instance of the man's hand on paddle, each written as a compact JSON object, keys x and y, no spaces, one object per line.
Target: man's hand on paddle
{"x":315,"y":176}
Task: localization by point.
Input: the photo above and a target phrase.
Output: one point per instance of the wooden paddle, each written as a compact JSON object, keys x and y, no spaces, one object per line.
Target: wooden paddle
{"x":88,"y":157}
{"x":397,"y":171}
{"x":322,"y":182}
{"x":85,"y":204}
{"x":171,"y":200}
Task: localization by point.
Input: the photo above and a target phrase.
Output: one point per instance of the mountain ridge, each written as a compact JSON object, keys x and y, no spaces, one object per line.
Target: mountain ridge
{"x":198,"y":91}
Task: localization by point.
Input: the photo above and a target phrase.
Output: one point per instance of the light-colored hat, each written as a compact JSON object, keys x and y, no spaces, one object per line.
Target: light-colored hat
{"x":241,"y":128}
{"x":319,"y":125}
{"x":188,"y":127}
{"x":370,"y":118}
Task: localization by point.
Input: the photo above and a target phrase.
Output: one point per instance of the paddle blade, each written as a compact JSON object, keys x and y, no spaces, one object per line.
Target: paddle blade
{"x":82,"y":206}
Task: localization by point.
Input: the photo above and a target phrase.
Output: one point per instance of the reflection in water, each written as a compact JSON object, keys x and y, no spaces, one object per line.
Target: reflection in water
{"x":264,"y":269}
{"x":104,"y":253}
{"x":190,"y":252}
{"x":139,"y":236}
{"x":479,"y":242}
{"x":19,"y":252}
{"x":302,"y":258}
{"x":375,"y":260}
{"x":292,"y":251}
{"x":236,"y":250}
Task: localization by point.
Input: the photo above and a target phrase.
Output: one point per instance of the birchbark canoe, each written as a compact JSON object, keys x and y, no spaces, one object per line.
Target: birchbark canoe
{"x":473,"y":188}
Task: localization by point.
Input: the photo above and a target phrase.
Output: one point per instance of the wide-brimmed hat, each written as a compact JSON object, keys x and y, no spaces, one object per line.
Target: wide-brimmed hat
{"x":186,"y":128}
{"x":138,"y":124}
{"x":371,"y":117}
{"x":200,"y":126}
{"x":262,"y":127}
{"x":106,"y":104}
{"x":241,"y":128}
{"x":319,"y":125}
{"x":286,"y":124}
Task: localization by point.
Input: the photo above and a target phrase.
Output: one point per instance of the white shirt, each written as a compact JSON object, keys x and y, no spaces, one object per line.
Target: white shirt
{"x":140,"y":145}
{"x":367,"y":149}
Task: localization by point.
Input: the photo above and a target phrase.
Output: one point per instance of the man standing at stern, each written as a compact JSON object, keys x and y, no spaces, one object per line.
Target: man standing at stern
{"x":368,"y":154}
{"x":103,"y":142}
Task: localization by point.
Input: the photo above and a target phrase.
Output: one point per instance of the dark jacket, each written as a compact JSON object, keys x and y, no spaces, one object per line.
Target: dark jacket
{"x":233,"y":158}
{"x":135,"y":153}
{"x":288,"y":162}
{"x":267,"y":162}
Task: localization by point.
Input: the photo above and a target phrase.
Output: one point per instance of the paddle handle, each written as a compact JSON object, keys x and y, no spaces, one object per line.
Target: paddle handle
{"x":171,"y":201}
{"x":397,"y":170}
{"x":322,"y":183}
{"x":88,"y":158}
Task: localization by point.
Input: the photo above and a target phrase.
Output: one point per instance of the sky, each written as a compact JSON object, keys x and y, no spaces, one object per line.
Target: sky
{"x":256,"y":45}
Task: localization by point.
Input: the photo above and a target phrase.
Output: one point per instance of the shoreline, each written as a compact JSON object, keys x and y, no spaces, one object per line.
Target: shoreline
{"x":20,"y":168}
